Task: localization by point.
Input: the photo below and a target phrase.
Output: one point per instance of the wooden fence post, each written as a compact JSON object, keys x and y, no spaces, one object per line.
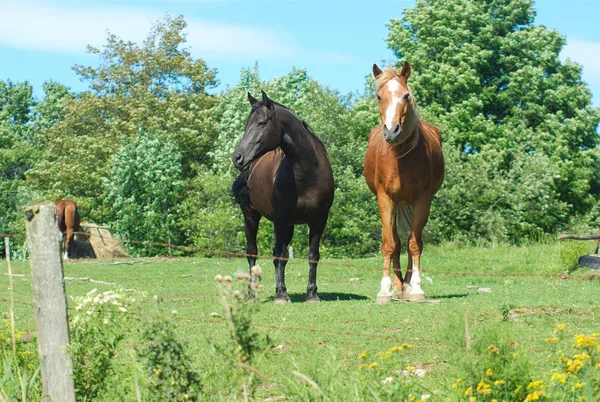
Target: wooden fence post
{"x":49,"y":301}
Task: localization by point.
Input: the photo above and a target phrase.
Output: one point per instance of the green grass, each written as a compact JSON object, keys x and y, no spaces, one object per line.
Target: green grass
{"x":348,"y":321}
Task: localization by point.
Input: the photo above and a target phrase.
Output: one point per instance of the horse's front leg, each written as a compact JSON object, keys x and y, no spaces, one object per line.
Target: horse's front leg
{"x":251,"y":222}
{"x":316,"y":231}
{"x":388,"y":246}
{"x":415,"y":248}
{"x":280,"y":255}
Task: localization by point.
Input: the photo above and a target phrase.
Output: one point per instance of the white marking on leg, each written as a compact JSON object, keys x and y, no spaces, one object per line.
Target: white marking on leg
{"x":415,"y":282}
{"x":386,"y":286}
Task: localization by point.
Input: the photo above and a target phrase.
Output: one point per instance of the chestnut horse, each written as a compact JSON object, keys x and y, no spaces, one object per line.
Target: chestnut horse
{"x":404,"y":168}
{"x":288,"y":180}
{"x":68,"y":223}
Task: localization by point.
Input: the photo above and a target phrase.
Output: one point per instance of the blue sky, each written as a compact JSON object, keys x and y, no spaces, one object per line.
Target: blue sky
{"x":336,"y":41}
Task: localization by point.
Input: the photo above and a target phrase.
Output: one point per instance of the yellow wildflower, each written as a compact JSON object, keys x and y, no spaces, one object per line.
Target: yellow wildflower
{"x":373,"y":365}
{"x":457,"y":383}
{"x":552,"y":340}
{"x":577,"y":386}
{"x":396,"y":349}
{"x":598,"y":366}
{"x":499,"y":382}
{"x":467,"y":391}
{"x":534,"y":396}
{"x":362,"y":366}
{"x":493,"y":349}
{"x":516,"y":391}
{"x":472,"y":399}
{"x":535,"y":384}
{"x":364,"y":354}
{"x":406,"y":345}
{"x":560,"y":327}
{"x":574,"y":365}
{"x":559,"y":377}
{"x":581,"y":356}
{"x":412,"y":398}
{"x":489,"y":372}
{"x":410,"y":368}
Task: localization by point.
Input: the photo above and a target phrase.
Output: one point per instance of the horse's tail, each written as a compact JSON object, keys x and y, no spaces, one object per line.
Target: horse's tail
{"x":240,"y":189}
{"x":404,"y":222}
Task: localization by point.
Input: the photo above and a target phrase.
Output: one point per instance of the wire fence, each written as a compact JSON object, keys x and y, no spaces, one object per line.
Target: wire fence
{"x":329,"y":262}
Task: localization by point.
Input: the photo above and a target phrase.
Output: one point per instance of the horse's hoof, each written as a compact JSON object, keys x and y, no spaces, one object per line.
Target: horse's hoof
{"x":282,"y":300}
{"x":414,"y":297}
{"x":313,"y":299}
{"x":397,"y":294}
{"x":384,"y":299}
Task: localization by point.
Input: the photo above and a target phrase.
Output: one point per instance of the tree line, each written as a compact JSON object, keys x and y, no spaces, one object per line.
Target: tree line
{"x":146,"y":148}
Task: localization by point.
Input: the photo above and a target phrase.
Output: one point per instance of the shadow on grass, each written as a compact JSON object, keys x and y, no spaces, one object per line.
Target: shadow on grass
{"x":451,"y":296}
{"x":324,"y":296}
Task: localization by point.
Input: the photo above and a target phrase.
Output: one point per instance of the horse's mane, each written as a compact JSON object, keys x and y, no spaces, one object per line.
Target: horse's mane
{"x":305,"y":124}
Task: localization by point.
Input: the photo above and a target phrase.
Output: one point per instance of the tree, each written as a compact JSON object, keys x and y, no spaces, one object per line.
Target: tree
{"x":493,"y":82}
{"x":157,"y":86}
{"x":16,"y":151}
{"x":144,"y":188}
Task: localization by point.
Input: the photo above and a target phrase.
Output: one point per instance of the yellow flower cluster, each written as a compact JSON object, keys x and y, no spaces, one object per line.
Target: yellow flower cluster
{"x":388,"y":354}
{"x":584,"y":341}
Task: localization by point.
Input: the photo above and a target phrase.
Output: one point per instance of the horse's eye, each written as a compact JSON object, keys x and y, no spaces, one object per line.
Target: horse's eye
{"x":378,"y":98}
{"x":406,"y":96}
{"x":262,"y":123}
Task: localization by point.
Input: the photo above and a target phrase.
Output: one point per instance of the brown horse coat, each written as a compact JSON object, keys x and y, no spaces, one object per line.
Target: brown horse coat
{"x":404,"y":168}
{"x":68,"y":223}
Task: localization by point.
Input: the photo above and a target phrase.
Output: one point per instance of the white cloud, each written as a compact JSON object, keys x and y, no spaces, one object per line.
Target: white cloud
{"x":587,"y":54}
{"x":69,"y":29}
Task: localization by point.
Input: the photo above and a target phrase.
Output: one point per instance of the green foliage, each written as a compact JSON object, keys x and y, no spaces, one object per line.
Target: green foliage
{"x":16,"y":152}
{"x":19,"y":371}
{"x":495,"y":367}
{"x":493,"y":82}
{"x":156,"y":85}
{"x":144,"y":188}
{"x":97,"y":328}
{"x":170,"y":372}
{"x":570,"y":251}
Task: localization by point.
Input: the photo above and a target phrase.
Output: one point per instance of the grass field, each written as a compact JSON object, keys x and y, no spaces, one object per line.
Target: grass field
{"x":308,"y":337}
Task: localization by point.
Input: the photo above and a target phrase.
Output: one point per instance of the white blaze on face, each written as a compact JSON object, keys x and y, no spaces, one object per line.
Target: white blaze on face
{"x":394,"y":87}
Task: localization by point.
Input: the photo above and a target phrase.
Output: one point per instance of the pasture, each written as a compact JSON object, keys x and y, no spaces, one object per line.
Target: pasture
{"x":324,"y":340}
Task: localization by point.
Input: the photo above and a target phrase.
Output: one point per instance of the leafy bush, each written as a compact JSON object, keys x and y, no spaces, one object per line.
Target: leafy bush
{"x":169,"y":370}
{"x":97,"y":328}
{"x":145,"y":186}
{"x":570,"y":251}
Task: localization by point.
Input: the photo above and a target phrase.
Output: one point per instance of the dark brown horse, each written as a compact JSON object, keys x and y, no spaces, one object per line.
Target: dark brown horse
{"x":404,"y":168}
{"x":289,"y":181}
{"x":68,"y":223}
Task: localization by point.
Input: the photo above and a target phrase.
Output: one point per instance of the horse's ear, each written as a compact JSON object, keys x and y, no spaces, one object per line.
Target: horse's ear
{"x":268,"y":103}
{"x":253,"y":101}
{"x":405,"y":70}
{"x":376,"y":71}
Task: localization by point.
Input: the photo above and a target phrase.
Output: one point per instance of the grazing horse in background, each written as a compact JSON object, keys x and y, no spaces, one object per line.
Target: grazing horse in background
{"x":404,"y":168}
{"x":68,"y":223}
{"x":288,"y":180}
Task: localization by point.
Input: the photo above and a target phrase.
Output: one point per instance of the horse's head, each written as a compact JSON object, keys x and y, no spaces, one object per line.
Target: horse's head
{"x":263,"y":133}
{"x":395,"y":100}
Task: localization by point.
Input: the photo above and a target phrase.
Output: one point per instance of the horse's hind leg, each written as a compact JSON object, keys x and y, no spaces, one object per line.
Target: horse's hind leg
{"x":315,"y":233}
{"x":415,"y":248}
{"x":251,"y":221}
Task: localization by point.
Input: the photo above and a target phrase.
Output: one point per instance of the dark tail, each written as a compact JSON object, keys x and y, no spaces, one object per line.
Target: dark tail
{"x":240,"y":189}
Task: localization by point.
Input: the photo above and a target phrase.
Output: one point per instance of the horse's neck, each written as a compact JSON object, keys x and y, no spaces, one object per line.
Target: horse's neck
{"x":299,"y":146}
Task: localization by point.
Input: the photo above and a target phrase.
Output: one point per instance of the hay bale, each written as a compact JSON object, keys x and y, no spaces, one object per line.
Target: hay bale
{"x":100,"y":241}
